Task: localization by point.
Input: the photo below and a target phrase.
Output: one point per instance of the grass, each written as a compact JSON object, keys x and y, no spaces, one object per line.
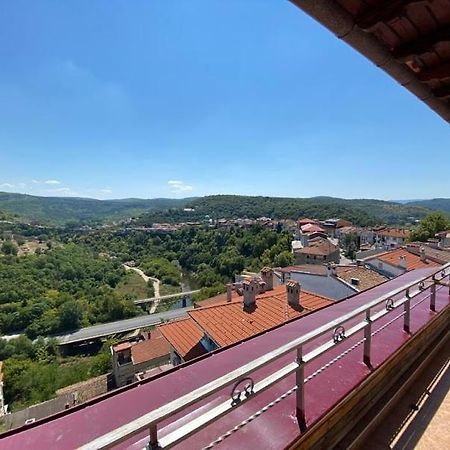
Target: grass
{"x":135,"y":286}
{"x":167,"y":289}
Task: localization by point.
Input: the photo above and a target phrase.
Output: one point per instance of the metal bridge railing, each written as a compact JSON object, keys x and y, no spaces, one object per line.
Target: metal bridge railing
{"x":397,"y":298}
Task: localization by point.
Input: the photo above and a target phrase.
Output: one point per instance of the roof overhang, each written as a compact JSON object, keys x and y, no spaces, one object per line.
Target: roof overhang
{"x":408,"y":39}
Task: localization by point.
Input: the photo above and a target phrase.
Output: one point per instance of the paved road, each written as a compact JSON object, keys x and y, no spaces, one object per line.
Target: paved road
{"x":121,"y":326}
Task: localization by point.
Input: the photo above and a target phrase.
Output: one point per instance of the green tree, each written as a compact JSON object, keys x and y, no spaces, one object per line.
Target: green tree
{"x":9,"y":248}
{"x":70,"y":315}
{"x":428,"y":227}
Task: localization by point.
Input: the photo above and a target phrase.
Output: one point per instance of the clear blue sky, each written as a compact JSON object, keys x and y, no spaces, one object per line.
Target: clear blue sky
{"x":113,"y":99}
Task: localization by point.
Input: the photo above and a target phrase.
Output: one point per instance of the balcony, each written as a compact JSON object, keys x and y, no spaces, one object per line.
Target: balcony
{"x":275,"y":390}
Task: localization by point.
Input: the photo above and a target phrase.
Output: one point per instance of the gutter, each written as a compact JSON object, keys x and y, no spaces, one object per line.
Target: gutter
{"x":331,"y":15}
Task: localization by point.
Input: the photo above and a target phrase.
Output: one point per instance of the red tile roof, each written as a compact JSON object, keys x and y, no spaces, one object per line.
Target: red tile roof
{"x":184,"y":335}
{"x":122,"y":346}
{"x":306,"y":221}
{"x":412,"y":261}
{"x":395,"y":233}
{"x":153,"y":348}
{"x":312,"y":228}
{"x":230,"y":322}
{"x":320,"y":246}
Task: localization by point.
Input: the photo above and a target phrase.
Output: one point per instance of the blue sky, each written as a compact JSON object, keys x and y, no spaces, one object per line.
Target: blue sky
{"x":174,"y":98}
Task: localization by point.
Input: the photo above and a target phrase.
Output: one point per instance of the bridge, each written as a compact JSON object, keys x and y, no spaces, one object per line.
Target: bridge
{"x":185,"y":294}
{"x":121,"y":326}
{"x":305,"y":384}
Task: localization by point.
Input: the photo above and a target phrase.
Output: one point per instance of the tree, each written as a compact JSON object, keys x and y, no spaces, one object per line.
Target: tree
{"x":70,"y":314}
{"x":428,"y":227}
{"x":9,"y":248}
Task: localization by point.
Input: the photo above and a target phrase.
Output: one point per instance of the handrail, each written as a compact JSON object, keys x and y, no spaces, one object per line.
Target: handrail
{"x":151,"y":419}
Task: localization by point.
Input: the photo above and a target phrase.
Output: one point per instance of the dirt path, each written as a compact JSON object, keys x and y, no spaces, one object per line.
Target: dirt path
{"x":156,"y":285}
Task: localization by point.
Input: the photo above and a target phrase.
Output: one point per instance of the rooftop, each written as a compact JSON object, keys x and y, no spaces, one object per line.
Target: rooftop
{"x":319,"y":246}
{"x":230,"y":322}
{"x":184,"y":335}
{"x":367,"y":278}
{"x":412,"y":261}
{"x":311,"y":228}
{"x":153,"y":348}
{"x":395,"y":233}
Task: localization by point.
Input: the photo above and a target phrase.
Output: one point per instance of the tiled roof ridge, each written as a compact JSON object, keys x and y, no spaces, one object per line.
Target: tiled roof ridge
{"x":239,"y":300}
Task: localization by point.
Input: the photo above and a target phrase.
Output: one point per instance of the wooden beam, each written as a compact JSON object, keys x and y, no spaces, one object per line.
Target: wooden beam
{"x":435,"y":73}
{"x":422,"y":44}
{"x":386,"y":10}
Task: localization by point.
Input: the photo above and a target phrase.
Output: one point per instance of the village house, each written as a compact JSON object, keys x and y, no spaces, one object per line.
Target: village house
{"x":390,"y":238}
{"x":224,"y":323}
{"x":133,"y":356}
{"x":319,"y":251}
{"x":332,"y":281}
{"x":443,"y":239}
{"x":396,"y":262}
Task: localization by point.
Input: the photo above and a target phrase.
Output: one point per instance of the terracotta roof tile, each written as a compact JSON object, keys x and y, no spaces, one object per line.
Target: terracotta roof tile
{"x":395,"y":233}
{"x":320,"y":246}
{"x":230,"y":322}
{"x":412,"y":261}
{"x":154,"y":347}
{"x":184,"y":335}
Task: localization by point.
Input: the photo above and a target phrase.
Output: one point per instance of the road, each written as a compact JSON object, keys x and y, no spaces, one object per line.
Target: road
{"x":146,"y":278}
{"x":120,"y":326}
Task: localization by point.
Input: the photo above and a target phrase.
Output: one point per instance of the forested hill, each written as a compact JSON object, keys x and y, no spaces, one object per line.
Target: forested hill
{"x":362,"y":212}
{"x":59,"y":210}
{"x":442,"y":204}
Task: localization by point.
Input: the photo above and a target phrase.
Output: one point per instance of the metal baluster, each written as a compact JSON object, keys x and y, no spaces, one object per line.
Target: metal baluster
{"x":367,"y":339}
{"x":153,"y":444}
{"x":300,"y":381}
{"x":406,"y":316}
{"x":433,"y":297}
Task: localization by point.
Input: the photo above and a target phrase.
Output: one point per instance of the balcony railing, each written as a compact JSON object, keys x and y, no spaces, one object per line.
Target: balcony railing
{"x":384,"y":305}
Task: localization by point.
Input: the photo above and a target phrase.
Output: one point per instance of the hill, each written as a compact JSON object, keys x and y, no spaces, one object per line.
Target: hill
{"x":59,"y":210}
{"x":442,"y":204}
{"x":360,"y":211}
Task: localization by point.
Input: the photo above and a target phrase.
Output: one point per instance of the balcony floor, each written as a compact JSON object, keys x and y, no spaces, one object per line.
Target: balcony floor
{"x":330,"y":378}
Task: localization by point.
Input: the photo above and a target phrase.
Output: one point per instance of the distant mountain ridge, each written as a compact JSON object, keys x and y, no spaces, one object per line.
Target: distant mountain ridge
{"x":442,"y":204}
{"x":60,"y":210}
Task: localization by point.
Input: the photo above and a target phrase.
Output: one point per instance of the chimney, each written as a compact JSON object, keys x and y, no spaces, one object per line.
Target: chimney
{"x":354,"y":281}
{"x":261,"y":286}
{"x":267,"y":277}
{"x":423,"y":258}
{"x":249,"y":291}
{"x":229,"y":292}
{"x":293,"y":294}
{"x":331,"y":269}
{"x":402,"y":262}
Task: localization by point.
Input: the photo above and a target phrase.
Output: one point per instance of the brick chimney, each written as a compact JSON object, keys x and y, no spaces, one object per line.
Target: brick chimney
{"x":402,"y":262}
{"x":229,"y":292}
{"x":261,"y":285}
{"x":267,"y":277}
{"x":249,"y":290}
{"x":423,"y":257}
{"x":293,"y":294}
